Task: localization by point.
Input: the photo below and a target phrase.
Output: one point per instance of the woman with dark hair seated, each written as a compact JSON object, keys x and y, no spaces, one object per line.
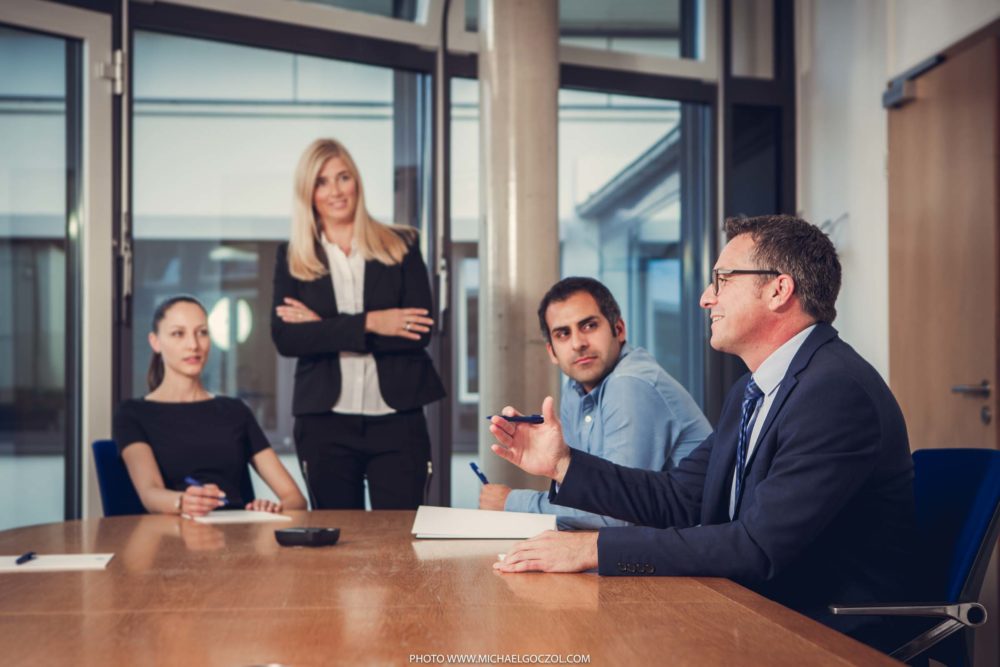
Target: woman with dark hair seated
{"x":186,"y":450}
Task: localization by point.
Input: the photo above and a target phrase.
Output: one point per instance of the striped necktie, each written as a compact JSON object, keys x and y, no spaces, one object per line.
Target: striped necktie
{"x":751,"y":395}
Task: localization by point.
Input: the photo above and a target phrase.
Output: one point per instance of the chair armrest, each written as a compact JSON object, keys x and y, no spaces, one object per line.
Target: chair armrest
{"x":957,"y":616}
{"x":969,"y":614}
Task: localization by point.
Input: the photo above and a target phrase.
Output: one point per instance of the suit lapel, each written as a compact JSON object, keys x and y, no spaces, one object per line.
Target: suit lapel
{"x":374,"y":272}
{"x":822,"y":334}
{"x":719,"y":478}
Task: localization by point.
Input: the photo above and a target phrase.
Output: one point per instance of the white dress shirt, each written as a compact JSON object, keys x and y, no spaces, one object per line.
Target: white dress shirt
{"x":360,"y":393}
{"x":768,"y":377}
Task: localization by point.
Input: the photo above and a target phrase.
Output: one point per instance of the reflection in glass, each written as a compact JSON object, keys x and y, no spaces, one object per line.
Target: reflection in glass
{"x":34,"y":408}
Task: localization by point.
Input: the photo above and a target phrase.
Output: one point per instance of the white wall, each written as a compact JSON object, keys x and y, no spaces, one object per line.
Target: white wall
{"x":846,"y":51}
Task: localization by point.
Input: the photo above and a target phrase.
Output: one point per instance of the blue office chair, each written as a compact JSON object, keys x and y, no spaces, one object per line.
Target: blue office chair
{"x":957,"y":495}
{"x":118,"y":495}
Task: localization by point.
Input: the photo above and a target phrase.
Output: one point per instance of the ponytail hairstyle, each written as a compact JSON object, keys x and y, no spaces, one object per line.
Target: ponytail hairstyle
{"x":386,"y":243}
{"x":154,"y":376}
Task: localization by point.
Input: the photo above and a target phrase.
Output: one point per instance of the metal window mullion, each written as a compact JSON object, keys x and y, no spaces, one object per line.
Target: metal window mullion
{"x":72,"y":276}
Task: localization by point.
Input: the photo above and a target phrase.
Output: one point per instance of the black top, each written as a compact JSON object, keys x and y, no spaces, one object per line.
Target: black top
{"x":406,"y":375}
{"x":211,"y":441}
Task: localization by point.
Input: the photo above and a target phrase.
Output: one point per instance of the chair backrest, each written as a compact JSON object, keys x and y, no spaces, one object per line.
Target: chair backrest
{"x":118,"y":495}
{"x":957,"y":495}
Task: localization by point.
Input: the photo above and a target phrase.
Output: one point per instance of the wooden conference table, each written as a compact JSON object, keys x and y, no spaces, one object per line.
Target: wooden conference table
{"x":182,"y":593}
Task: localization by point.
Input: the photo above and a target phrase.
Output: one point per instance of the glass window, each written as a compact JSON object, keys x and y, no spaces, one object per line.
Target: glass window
{"x":752,"y":38}
{"x":633,"y":202}
{"x":214,"y":155}
{"x":755,"y":180}
{"x":631,"y":197}
{"x":35,"y":410}
{"x":407,"y":10}
{"x":664,"y":28}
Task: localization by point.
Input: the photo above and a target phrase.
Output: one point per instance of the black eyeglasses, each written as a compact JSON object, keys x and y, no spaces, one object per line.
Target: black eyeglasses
{"x":716,"y":283}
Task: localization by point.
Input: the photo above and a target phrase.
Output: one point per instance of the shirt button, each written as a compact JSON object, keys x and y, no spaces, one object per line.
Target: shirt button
{"x":588,"y":419}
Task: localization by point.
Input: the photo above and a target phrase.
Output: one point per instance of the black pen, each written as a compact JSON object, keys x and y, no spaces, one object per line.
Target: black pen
{"x":24,"y":558}
{"x":521,"y":419}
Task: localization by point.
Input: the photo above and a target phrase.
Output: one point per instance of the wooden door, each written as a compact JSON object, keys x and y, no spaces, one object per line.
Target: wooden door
{"x":943,"y":283}
{"x":943,"y":210}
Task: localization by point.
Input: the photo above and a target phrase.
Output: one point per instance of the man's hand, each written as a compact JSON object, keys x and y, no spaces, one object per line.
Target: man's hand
{"x":538,"y":449}
{"x":493,"y":497}
{"x":552,"y":551}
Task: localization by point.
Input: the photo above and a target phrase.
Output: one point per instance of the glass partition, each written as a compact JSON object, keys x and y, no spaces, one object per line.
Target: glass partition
{"x":37,"y":112}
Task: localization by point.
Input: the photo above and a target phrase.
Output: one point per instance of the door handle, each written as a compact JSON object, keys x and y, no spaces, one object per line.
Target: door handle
{"x":979,"y":390}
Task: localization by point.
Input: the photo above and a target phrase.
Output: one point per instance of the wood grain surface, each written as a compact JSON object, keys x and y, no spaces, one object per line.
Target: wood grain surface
{"x":182,"y":593}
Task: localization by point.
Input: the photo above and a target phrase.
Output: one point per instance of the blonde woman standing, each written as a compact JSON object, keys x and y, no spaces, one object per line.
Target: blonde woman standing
{"x":352,"y":301}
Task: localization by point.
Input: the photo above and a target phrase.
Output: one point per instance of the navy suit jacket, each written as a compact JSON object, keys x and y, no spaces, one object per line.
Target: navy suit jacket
{"x":406,"y":375}
{"x":827,"y":509}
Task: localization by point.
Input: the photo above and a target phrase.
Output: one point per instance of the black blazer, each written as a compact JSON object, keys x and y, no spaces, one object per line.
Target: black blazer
{"x":827,"y":509}
{"x":405,"y":373}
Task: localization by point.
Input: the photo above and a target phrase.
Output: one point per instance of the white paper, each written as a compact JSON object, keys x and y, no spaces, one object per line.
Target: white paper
{"x":452,"y":523}
{"x":57,"y":563}
{"x":242,"y":516}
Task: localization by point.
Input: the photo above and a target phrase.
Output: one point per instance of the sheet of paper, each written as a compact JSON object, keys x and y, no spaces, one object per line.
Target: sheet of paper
{"x":450,"y":523}
{"x":57,"y":563}
{"x":242,"y":516}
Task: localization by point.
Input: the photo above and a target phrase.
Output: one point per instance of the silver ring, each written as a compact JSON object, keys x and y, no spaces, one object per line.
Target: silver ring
{"x":406,"y":327}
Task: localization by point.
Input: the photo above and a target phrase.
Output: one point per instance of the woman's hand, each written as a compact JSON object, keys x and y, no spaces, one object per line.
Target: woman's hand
{"x":261,"y":505}
{"x":296,"y":312}
{"x":200,"y":500}
{"x":408,"y":323}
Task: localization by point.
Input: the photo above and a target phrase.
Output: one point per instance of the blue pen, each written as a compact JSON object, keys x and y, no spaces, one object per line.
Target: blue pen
{"x":24,"y":558}
{"x":521,"y":419}
{"x":479,"y":473}
{"x":191,"y":481}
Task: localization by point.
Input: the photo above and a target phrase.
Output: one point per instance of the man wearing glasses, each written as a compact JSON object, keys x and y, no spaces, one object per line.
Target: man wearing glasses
{"x":803,"y":493}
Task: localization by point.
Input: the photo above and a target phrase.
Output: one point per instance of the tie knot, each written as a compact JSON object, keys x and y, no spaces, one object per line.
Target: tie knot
{"x":752,"y":391}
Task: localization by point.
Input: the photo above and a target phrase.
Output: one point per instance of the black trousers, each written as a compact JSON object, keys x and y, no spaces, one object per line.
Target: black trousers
{"x":338,"y":451}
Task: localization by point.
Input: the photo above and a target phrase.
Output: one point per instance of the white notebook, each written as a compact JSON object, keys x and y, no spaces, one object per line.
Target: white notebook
{"x":57,"y":563}
{"x":451,"y":523}
{"x":242,"y":516}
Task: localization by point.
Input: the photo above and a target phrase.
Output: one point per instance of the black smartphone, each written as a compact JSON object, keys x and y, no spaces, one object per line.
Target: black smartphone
{"x":307,"y":537}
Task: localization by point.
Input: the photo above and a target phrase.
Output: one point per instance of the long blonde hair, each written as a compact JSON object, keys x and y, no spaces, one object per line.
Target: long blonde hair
{"x":385,"y":243}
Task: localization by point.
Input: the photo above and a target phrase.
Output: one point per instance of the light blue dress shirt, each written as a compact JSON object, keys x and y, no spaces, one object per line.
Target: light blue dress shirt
{"x":638,"y":416}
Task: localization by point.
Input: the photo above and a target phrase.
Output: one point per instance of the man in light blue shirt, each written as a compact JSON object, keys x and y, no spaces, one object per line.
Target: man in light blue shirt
{"x":618,"y":403}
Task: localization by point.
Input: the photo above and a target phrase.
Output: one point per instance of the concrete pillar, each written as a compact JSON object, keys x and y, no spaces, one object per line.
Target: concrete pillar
{"x":519,"y":235}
